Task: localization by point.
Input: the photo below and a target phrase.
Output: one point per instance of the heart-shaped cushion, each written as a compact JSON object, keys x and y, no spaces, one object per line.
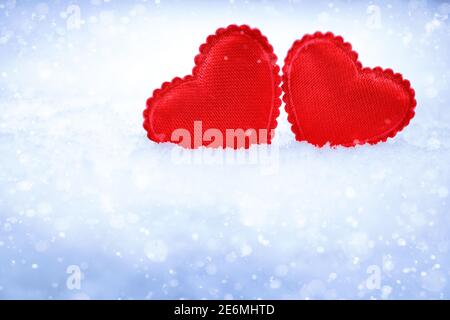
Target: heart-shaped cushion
{"x":232,"y":98}
{"x":331,"y":98}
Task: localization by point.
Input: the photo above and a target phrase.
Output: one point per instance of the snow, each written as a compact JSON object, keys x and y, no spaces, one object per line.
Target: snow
{"x":84,"y":193}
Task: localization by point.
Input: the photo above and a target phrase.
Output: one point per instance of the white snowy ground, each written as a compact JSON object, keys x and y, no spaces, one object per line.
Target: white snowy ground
{"x":81,"y":185}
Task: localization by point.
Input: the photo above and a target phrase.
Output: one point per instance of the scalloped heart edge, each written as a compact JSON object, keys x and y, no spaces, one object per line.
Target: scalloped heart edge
{"x":378,"y":71}
{"x":204,"y":49}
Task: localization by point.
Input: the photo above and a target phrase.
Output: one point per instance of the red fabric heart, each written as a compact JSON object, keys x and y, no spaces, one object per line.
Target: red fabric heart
{"x":331,"y":98}
{"x":234,"y":85}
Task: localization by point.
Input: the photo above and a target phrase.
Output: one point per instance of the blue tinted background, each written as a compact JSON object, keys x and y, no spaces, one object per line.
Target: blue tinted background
{"x":80,"y":184}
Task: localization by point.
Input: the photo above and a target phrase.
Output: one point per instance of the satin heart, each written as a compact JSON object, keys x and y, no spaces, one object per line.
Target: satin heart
{"x":234,"y":87}
{"x":331,"y":98}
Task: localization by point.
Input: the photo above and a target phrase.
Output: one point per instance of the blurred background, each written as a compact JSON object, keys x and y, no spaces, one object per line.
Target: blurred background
{"x":84,"y":193}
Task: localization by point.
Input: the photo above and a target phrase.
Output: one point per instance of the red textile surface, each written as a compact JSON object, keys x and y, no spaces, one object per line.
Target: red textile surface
{"x":331,"y":98}
{"x":234,"y":85}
